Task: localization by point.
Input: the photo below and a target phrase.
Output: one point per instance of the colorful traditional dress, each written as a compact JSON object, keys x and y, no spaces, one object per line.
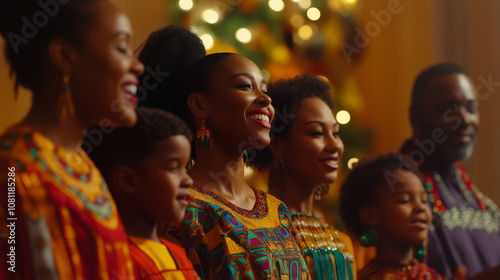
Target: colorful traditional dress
{"x":226,"y":242}
{"x":328,"y":252}
{"x":465,"y":227}
{"x":160,"y":261}
{"x":66,"y":223}
{"x":390,"y":270}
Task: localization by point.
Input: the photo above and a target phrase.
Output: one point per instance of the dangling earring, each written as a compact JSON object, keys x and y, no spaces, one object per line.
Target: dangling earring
{"x":276,"y":174}
{"x":419,"y":252}
{"x":368,"y":237}
{"x":321,"y":190}
{"x":65,"y":106}
{"x":190,"y":164}
{"x":203,"y":139}
{"x":245,"y":156}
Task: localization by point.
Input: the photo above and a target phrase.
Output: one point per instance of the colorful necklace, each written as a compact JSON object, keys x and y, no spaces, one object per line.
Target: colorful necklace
{"x":322,"y":242}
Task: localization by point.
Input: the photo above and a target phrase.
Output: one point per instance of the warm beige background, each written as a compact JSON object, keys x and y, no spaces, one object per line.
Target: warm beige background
{"x":423,"y":33}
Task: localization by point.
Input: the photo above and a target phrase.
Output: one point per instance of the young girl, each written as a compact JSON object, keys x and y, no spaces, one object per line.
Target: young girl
{"x":230,"y":231}
{"x":303,"y":159}
{"x":80,"y":68}
{"x":145,"y":168}
{"x":384,"y":202}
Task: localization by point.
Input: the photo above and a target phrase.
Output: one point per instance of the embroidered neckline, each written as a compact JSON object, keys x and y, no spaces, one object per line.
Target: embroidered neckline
{"x":72,"y":172}
{"x":260,"y":209}
{"x":433,"y":181}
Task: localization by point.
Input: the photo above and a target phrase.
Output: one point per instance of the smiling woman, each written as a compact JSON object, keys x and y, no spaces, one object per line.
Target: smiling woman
{"x":302,"y":160}
{"x":76,"y":59}
{"x":230,"y":231}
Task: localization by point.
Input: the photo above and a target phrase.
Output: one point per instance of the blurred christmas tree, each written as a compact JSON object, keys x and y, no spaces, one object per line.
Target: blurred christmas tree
{"x":286,"y":38}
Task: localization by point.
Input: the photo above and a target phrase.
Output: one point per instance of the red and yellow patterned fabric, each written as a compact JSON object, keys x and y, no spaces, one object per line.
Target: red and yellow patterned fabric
{"x":387,"y":270}
{"x":66,"y":222}
{"x":227,"y":242}
{"x":160,"y":261}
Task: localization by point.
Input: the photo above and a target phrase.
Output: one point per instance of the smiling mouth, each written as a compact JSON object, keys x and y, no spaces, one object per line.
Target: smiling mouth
{"x":330,"y":163}
{"x":130,"y":88}
{"x":261,"y":119}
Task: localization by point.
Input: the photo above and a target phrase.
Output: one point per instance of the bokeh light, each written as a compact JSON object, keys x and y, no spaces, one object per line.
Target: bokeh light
{"x":352,"y":162}
{"x":208,"y":41}
{"x":343,"y":117}
{"x":186,"y":5}
{"x":210,"y":16}
{"x":313,"y":14}
{"x":243,"y":35}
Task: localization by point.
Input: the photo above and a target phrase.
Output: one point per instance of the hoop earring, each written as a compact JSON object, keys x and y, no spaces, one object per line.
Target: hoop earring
{"x":368,"y":237}
{"x":245,"y":156}
{"x":65,"y":105}
{"x":321,"y":190}
{"x":203,"y":139}
{"x":419,"y":252}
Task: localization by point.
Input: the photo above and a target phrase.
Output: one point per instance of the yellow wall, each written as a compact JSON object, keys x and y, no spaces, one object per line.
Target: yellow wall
{"x":385,"y":72}
{"x":11,"y":109}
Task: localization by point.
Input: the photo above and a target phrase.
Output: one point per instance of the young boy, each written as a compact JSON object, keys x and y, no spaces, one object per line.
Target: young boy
{"x":145,"y":168}
{"x":384,"y":202}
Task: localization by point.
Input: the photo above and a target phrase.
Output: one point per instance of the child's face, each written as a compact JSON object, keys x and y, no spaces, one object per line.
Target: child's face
{"x":163,"y":181}
{"x":404,"y":214}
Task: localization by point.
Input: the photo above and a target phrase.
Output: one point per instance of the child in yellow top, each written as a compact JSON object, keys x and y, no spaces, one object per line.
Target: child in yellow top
{"x":145,"y":169}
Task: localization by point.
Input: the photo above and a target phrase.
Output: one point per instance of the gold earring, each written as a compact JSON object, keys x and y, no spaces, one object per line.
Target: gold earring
{"x":321,"y":190}
{"x":65,"y":106}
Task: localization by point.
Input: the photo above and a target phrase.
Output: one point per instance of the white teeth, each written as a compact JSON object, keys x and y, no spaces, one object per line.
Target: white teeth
{"x":259,"y":117}
{"x":131,"y":88}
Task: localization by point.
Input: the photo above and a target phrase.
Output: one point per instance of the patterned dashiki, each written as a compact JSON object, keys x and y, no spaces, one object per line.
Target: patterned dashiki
{"x":465,"y":227}
{"x":226,"y":242}
{"x":66,"y":223}
{"x":327,"y":251}
{"x":160,"y":261}
{"x":391,"y":270}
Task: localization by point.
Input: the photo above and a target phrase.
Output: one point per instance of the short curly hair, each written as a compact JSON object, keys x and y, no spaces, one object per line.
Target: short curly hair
{"x":362,"y":183}
{"x":288,"y":96}
{"x":130,"y":146}
{"x":423,"y":79}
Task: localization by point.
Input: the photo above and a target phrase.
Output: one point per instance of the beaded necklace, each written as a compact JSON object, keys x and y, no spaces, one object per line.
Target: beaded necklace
{"x":433,"y":181}
{"x":322,"y":242}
